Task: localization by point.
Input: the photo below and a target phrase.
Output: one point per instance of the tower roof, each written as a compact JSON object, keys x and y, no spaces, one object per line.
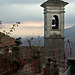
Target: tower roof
{"x":54,"y":3}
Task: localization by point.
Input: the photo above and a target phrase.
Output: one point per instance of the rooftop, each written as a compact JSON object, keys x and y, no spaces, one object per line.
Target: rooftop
{"x":6,"y":40}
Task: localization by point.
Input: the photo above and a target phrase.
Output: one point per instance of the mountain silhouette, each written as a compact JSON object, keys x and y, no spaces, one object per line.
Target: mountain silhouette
{"x":69,"y":34}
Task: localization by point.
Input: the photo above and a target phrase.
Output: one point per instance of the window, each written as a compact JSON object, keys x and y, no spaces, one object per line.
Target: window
{"x":55,"y":22}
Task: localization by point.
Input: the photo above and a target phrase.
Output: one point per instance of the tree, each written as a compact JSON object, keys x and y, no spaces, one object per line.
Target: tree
{"x":11,"y":29}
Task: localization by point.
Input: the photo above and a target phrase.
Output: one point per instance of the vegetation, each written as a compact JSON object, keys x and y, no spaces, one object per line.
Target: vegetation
{"x":11,"y":29}
{"x":33,"y":49}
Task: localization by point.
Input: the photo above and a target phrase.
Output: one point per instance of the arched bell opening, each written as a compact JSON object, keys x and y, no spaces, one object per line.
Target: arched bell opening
{"x":55,"y":22}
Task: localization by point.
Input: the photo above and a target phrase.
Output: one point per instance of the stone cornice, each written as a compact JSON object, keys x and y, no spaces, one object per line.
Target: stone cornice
{"x":54,"y":12}
{"x":54,"y":37}
{"x":54,"y":3}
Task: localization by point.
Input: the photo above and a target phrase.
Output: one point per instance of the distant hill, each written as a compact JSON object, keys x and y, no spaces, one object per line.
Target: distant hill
{"x":69,"y":34}
{"x":36,"y":41}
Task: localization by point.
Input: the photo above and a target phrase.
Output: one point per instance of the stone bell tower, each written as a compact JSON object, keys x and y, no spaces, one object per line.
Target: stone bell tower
{"x":53,"y":26}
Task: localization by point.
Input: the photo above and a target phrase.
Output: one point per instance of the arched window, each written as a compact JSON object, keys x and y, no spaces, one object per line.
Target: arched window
{"x":55,"y":22}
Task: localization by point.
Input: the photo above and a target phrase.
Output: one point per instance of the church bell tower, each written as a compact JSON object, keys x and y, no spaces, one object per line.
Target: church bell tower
{"x":53,"y":26}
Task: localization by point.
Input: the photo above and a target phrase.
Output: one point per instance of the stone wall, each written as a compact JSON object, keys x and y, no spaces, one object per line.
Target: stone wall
{"x":55,"y":47}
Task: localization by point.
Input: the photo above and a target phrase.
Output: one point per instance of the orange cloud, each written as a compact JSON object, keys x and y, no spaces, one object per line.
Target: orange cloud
{"x":26,"y":24}
{"x":32,"y":24}
{"x":27,"y":28}
{"x":67,"y":27}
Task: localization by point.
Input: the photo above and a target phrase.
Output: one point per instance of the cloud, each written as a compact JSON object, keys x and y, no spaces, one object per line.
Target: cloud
{"x":68,"y":27}
{"x":1,"y":26}
{"x":26,"y":28}
{"x":28,"y":32}
{"x":13,"y":13}
{"x":70,"y":13}
{"x":6,"y":2}
{"x":32,"y":24}
{"x":3,"y":2}
{"x":29,"y":29}
{"x":30,"y":10}
{"x":69,"y":1}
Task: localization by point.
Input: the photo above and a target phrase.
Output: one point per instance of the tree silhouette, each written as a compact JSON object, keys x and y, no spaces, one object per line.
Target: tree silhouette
{"x":11,"y":28}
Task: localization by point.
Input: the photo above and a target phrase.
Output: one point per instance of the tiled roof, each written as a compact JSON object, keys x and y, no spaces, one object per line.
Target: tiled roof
{"x":6,"y":40}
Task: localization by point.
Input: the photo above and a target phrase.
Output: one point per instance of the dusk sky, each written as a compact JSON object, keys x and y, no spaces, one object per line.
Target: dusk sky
{"x":30,"y":14}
